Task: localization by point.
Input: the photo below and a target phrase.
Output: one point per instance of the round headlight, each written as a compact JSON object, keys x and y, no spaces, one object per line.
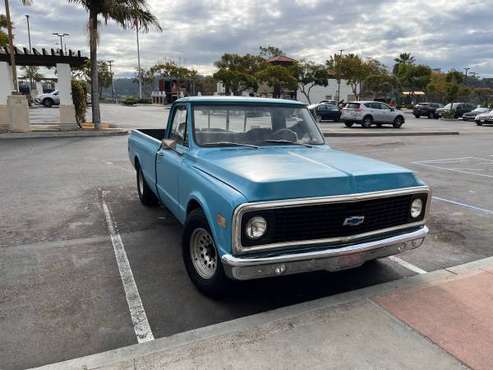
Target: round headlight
{"x":416,"y":208}
{"x":256,"y":227}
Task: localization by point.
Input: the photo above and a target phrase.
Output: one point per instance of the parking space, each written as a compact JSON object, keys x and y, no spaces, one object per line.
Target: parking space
{"x":61,"y":288}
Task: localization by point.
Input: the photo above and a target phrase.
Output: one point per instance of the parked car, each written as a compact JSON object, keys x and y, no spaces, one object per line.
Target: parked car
{"x":484,"y":118}
{"x":48,"y":99}
{"x":368,"y":113}
{"x":325,"y":112}
{"x":426,"y":109}
{"x":260,"y":193}
{"x":457,"y":109}
{"x":470,"y":116}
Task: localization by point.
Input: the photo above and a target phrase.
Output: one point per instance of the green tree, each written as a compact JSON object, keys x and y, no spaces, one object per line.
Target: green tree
{"x":380,"y":84}
{"x":311,"y":75}
{"x":238,"y":72}
{"x":105,"y":77}
{"x":128,"y":14}
{"x":4,"y":39}
{"x":267,"y":52}
{"x":437,"y":87}
{"x":403,"y":59}
{"x":279,"y":78}
{"x":413,"y":77}
{"x":352,"y":68}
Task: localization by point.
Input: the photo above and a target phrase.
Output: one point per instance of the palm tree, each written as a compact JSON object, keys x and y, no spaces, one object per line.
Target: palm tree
{"x":403,"y":58}
{"x":128,"y":14}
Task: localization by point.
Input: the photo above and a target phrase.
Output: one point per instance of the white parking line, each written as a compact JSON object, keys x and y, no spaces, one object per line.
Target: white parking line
{"x":140,"y":323}
{"x":453,"y":170}
{"x":484,"y":210}
{"x":407,"y":265}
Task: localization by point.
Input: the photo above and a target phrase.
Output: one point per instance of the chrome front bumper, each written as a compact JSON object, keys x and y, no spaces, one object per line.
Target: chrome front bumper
{"x":333,"y":259}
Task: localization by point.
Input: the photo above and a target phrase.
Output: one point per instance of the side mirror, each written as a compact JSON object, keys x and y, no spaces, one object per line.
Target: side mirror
{"x":168,"y":144}
{"x":392,"y":109}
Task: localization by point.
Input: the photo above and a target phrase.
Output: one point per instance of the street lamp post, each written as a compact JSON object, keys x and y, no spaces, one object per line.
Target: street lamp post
{"x":11,"y":46}
{"x":30,"y":48}
{"x":110,"y":63}
{"x":61,"y":36}
{"x":138,"y":61}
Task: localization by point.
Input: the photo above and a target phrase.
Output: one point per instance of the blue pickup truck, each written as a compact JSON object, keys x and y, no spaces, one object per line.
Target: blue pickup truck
{"x":260,"y":193}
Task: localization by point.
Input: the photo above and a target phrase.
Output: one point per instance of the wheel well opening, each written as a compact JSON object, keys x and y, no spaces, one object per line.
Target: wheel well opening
{"x":136,"y":163}
{"x":193,"y":205}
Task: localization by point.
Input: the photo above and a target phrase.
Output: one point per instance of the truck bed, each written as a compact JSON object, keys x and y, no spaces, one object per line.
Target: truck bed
{"x":143,"y":145}
{"x":157,"y":134}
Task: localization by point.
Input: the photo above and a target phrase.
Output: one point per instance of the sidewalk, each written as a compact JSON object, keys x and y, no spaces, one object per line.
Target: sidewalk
{"x":439,"y":320}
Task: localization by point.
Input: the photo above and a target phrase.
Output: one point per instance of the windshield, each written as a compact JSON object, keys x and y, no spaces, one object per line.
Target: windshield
{"x":254,"y":125}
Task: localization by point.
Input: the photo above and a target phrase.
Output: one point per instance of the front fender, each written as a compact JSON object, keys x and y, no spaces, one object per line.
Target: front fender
{"x":214,"y":197}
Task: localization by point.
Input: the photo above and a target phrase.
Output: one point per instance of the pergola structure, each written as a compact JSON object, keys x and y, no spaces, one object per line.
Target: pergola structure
{"x":13,"y":109}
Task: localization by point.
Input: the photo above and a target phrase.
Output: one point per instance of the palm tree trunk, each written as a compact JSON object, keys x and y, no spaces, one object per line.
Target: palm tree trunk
{"x":93,"y":44}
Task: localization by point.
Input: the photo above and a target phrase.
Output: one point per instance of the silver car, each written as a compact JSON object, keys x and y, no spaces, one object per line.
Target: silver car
{"x":48,"y":99}
{"x":484,"y":118}
{"x":368,"y":113}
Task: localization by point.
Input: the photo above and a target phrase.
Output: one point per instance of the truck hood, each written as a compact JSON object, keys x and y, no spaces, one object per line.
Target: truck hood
{"x":275,"y":173}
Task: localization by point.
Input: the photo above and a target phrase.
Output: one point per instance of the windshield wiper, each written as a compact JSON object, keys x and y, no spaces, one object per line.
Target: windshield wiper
{"x":230,"y":143}
{"x":286,"y":142}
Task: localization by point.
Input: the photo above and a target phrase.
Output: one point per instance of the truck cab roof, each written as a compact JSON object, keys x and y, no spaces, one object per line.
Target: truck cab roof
{"x":236,"y":100}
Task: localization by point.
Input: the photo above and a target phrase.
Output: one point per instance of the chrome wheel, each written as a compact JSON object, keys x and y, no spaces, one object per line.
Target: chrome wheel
{"x":203,"y":253}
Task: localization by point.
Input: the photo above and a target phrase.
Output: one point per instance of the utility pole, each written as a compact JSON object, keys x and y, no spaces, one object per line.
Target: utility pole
{"x":339,"y":77}
{"x":110,"y":62}
{"x":138,"y":60}
{"x":11,"y":46}
{"x":61,"y":36}
{"x":29,"y":33}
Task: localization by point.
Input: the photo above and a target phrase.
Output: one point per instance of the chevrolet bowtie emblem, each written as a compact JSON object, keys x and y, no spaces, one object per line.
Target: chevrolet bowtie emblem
{"x":354,"y":221}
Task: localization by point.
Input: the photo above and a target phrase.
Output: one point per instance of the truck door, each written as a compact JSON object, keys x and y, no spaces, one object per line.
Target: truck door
{"x":169,"y":161}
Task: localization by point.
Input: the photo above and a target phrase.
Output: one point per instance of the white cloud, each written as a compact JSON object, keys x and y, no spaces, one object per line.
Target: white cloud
{"x":442,"y":33}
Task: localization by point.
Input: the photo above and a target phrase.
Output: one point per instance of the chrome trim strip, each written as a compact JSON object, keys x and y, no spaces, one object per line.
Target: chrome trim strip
{"x":233,"y":261}
{"x":348,"y":198}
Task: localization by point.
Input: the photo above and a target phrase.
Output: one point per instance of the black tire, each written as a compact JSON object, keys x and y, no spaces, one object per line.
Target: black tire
{"x":417,"y":115}
{"x":367,"y":121}
{"x":479,"y":123}
{"x":431,"y":115}
{"x":146,"y":196}
{"x":348,"y":124}
{"x":48,"y":103}
{"x":215,"y":286}
{"x":398,"y":122}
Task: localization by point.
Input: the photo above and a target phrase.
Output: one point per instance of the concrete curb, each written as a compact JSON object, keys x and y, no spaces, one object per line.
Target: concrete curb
{"x":63,"y":134}
{"x":119,"y":358}
{"x":387,"y":134}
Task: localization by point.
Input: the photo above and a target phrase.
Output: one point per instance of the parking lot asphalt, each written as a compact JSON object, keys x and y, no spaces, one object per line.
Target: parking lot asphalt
{"x":61,"y":294}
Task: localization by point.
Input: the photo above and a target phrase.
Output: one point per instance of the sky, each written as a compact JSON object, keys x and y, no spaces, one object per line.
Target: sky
{"x":446,"y":34}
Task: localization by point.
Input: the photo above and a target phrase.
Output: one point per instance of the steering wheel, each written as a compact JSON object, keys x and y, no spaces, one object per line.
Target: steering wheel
{"x":285,"y":134}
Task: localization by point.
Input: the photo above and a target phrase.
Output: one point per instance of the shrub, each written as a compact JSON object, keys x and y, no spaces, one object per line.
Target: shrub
{"x":79,"y":97}
{"x":130,"y":101}
{"x":448,"y":114}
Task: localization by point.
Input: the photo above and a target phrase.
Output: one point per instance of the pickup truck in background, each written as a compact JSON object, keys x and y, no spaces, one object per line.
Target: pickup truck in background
{"x":260,"y":193}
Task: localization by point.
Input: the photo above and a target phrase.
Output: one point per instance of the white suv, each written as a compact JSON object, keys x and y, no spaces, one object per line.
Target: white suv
{"x":368,"y":113}
{"x":48,"y":99}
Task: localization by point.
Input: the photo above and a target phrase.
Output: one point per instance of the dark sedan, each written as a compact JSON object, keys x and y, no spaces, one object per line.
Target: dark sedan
{"x":426,"y":109}
{"x":325,"y":112}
